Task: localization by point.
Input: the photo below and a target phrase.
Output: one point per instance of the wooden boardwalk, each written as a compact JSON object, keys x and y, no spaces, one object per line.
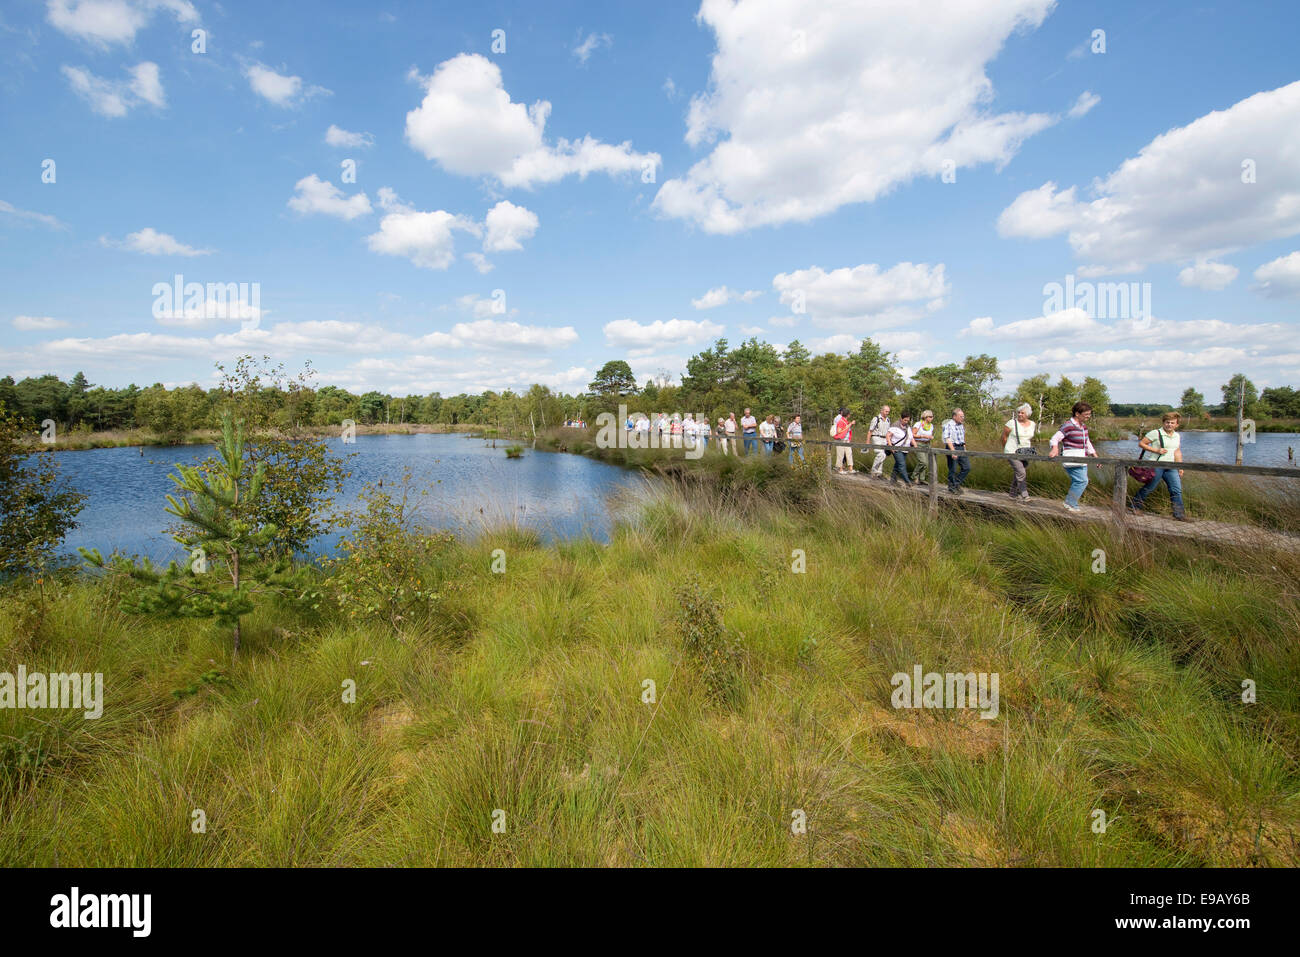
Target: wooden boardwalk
{"x":1225,"y":533}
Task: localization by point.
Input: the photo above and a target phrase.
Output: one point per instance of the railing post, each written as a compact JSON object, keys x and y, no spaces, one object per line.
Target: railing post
{"x":1119,"y":494}
{"x":932,"y":464}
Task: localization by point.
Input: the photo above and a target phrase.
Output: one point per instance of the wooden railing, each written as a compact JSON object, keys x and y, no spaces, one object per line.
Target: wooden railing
{"x":1120,"y":466}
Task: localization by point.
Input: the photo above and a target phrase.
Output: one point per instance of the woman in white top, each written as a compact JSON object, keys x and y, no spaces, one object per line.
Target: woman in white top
{"x":1018,"y":434}
{"x":923,"y":435}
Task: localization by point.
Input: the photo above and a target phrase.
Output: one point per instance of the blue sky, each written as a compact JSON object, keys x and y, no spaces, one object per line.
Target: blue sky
{"x":632,"y":181}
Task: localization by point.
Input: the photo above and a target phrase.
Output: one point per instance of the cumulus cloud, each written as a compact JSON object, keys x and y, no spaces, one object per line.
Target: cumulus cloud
{"x":503,"y":334}
{"x":468,"y":124}
{"x":115,"y":98}
{"x":278,"y":88}
{"x":1210,"y":276}
{"x":1226,"y":181}
{"x":153,"y":243}
{"x":816,"y":104}
{"x":105,"y":22}
{"x":642,"y":337}
{"x":508,"y":226}
{"x":315,"y":195}
{"x":864,"y":297}
{"x":1280,"y":279}
{"x":336,"y":136}
{"x":722,"y":295}
{"x":425,"y":238}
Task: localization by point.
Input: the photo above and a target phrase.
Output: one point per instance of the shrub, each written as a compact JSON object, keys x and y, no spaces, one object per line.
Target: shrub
{"x":715,"y":655}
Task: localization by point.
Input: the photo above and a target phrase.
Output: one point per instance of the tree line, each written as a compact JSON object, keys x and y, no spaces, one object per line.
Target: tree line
{"x":718,"y":379}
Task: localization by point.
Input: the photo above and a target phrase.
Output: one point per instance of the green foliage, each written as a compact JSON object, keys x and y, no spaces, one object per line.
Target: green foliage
{"x":1192,"y":404}
{"x":1231,"y":394}
{"x":226,"y":542}
{"x":614,"y":379}
{"x":712,"y":652}
{"x":514,"y":451}
{"x":387,"y":568}
{"x":210,"y":678}
{"x":301,"y":474}
{"x":36,"y":509}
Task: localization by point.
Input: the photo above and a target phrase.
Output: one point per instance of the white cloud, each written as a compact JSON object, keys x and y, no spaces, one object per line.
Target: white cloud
{"x":1039,"y":213}
{"x":863,"y":298}
{"x":278,"y":88}
{"x":480,"y":262}
{"x":816,"y":104}
{"x":498,"y":334}
{"x":43,"y":218}
{"x":508,"y":226}
{"x":1086,"y":101}
{"x":1064,"y":324}
{"x":1280,"y":279}
{"x":425,"y":238}
{"x":630,"y":334}
{"x":115,"y":98}
{"x":670,"y":88}
{"x":593,"y":42}
{"x":153,"y":243}
{"x":839,"y":343}
{"x":468,"y":124}
{"x":336,"y":136}
{"x":722,"y":295}
{"x":1210,"y":276}
{"x":211,"y":311}
{"x":1228,"y":180}
{"x":104,"y":22}
{"x":37,"y":323}
{"x":315,"y":195}
{"x":481,"y":308}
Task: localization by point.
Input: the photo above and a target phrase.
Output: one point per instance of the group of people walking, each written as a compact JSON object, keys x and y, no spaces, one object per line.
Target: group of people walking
{"x":678,"y":431}
{"x":897,"y":439}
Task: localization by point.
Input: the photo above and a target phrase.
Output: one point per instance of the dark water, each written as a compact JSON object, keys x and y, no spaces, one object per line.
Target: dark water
{"x":561,"y":496}
{"x":1269,"y":448}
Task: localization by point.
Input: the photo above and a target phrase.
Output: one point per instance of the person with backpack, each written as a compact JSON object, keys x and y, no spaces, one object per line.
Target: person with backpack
{"x":1071,"y":441}
{"x":1018,"y":439}
{"x":1165,"y":445}
{"x":794,"y":438}
{"x":842,"y":434}
{"x":900,"y":439}
{"x":879,"y":433}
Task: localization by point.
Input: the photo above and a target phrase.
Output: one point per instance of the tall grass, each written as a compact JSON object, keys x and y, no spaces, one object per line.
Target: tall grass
{"x":1120,"y":691}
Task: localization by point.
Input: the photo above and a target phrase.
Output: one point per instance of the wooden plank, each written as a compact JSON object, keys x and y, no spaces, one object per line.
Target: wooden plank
{"x":1279,"y":471}
{"x":1205,"y":530}
{"x":1118,"y":494}
{"x":932,"y":461}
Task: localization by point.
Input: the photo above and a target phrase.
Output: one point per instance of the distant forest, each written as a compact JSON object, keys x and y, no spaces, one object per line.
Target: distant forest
{"x":718,"y":380}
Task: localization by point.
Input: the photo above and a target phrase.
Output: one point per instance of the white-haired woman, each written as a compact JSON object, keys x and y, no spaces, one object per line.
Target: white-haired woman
{"x":1017,"y":437}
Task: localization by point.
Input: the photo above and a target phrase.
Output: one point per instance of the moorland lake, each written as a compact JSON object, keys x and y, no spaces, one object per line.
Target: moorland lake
{"x":561,"y":496}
